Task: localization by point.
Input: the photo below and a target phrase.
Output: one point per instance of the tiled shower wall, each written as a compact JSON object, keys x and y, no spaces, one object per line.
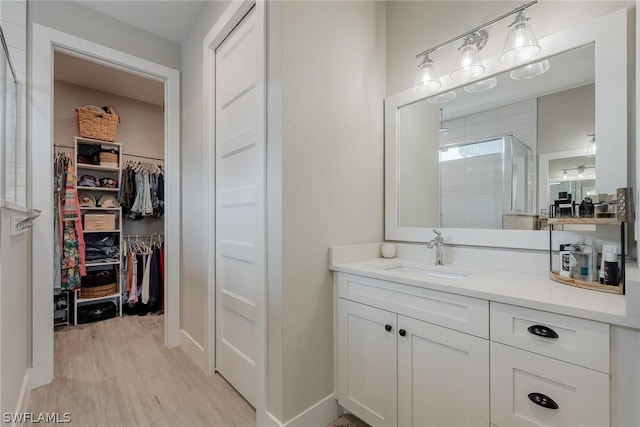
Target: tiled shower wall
{"x":473,"y":193}
{"x":519,"y":119}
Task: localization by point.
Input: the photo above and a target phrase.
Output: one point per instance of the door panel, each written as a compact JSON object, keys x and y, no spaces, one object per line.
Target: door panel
{"x":237,"y":173}
{"x":442,"y":376}
{"x":367,"y":362}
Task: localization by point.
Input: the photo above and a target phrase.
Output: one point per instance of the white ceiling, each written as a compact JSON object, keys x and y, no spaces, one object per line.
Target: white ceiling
{"x":84,"y":73}
{"x":169,"y":19}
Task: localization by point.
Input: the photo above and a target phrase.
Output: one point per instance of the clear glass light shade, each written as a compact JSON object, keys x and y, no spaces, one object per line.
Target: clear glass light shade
{"x":468,"y":65}
{"x":443,"y":97}
{"x":530,"y":71}
{"x":482,"y":85}
{"x":427,"y":79}
{"x":521,"y":43}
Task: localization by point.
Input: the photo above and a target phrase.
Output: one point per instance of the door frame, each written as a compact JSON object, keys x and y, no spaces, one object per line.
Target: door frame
{"x":218,"y":33}
{"x":45,"y":42}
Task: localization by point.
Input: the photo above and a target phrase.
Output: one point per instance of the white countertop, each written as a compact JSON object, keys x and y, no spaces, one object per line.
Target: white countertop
{"x":527,"y":290}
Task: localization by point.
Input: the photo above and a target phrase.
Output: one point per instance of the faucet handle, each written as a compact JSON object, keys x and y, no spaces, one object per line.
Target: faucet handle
{"x":438,"y":234}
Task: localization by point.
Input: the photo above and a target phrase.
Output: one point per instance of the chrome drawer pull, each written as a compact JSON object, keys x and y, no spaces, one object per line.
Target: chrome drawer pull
{"x":542,"y":331}
{"x":542,"y":400}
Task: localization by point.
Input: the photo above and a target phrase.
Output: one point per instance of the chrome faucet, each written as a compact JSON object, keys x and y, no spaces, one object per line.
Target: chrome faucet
{"x":438,"y":242}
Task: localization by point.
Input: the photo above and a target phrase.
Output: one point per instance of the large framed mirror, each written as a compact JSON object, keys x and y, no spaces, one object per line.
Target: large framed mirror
{"x":468,"y":161}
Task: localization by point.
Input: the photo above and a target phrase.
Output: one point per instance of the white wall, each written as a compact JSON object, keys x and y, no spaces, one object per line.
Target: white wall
{"x":413,"y":26}
{"x":72,"y":18}
{"x":418,"y":167}
{"x":566,"y":118}
{"x":194,"y":201}
{"x":15,"y":252}
{"x":141,"y":128}
{"x":333,"y":58}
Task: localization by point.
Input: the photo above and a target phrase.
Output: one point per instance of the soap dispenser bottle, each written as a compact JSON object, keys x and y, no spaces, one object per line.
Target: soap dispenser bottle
{"x":590,"y":247}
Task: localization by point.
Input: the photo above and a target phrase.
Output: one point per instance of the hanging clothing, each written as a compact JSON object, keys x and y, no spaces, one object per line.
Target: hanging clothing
{"x":133,"y":267}
{"x":144,"y":293}
{"x":73,"y":262}
{"x":155,"y":285}
{"x":142,"y":190}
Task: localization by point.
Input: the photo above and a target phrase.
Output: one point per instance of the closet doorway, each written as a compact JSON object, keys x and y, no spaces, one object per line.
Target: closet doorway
{"x":120,"y":185}
{"x":69,"y":72}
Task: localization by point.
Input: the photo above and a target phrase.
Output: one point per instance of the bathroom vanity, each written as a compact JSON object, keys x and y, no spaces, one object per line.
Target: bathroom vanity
{"x":489,"y":339}
{"x":426,"y":345}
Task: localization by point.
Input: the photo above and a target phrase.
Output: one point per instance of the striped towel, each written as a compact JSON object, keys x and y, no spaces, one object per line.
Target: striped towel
{"x":71,"y":210}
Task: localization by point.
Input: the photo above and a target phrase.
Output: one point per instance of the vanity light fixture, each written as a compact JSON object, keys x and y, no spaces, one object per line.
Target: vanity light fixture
{"x":443,"y":131}
{"x":427,"y":79}
{"x":468,"y":65}
{"x":581,"y":170}
{"x":521,"y":43}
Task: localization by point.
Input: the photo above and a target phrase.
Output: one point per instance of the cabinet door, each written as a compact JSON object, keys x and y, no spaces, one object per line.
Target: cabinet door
{"x":532,"y":390}
{"x":367,"y":362}
{"x":443,"y":376}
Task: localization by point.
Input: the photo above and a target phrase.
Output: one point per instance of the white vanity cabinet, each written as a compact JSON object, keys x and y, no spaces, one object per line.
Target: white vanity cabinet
{"x":548,"y":369}
{"x":442,"y":376}
{"x":399,"y":370}
{"x":367,"y":362}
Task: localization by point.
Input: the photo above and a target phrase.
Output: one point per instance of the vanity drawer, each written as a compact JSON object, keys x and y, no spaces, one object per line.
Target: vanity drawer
{"x":464,"y":314}
{"x":518,"y":378}
{"x":579,"y":341}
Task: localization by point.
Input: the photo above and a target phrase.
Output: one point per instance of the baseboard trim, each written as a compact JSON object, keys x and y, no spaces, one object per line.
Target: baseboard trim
{"x":319,"y":414}
{"x":194,"y":350}
{"x":25,"y":394}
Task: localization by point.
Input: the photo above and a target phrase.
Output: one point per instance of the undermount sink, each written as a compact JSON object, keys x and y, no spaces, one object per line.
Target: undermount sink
{"x":430,"y":271}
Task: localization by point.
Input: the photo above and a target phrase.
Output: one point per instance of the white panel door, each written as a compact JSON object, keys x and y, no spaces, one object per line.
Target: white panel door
{"x":239,"y":177}
{"x":367,"y":356}
{"x":443,"y":377}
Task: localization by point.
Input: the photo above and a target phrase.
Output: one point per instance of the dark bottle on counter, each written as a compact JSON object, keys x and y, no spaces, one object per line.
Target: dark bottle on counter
{"x":611,"y":269}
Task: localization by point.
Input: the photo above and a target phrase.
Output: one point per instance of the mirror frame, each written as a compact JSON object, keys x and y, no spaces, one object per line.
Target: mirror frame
{"x":609,"y":33}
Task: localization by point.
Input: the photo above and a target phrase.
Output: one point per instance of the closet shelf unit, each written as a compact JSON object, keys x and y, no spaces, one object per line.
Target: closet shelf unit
{"x":83,"y":188}
{"x":90,"y":167}
{"x":100,"y":172}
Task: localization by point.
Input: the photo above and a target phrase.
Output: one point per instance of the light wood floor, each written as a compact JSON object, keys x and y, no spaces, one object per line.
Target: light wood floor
{"x":117,"y":373}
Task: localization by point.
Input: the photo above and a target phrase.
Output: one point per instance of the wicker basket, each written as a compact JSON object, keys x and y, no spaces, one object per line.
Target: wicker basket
{"x":97,"y":125}
{"x":98,"y":291}
{"x":108,"y":157}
